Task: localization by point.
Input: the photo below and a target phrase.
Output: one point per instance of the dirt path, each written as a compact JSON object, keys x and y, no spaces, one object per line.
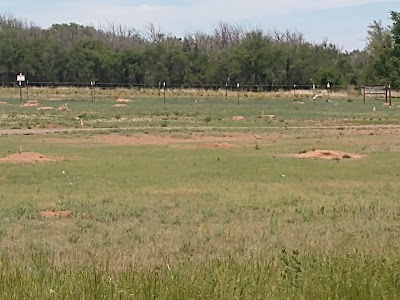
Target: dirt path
{"x":44,"y":131}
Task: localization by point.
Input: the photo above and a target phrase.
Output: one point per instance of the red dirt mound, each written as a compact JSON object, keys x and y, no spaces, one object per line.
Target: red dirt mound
{"x":121,"y":100}
{"x":217,"y":146}
{"x":63,"y":214}
{"x":31,"y":103}
{"x":329,"y":154}
{"x":26,"y":157}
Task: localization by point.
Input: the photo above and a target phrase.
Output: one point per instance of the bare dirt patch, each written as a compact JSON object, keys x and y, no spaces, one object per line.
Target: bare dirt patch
{"x":3,"y":102}
{"x":45,"y":108}
{"x":121,"y":100}
{"x":120,"y":105}
{"x":31,"y":103}
{"x":155,"y":139}
{"x":217,"y":146}
{"x":63,"y":107}
{"x":63,"y":214}
{"x":53,"y":126}
{"x":238,"y":118}
{"x":27,"y":157}
{"x":328,"y":154}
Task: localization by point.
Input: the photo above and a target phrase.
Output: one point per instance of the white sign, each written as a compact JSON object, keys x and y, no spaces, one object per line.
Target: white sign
{"x":92,"y":83}
{"x":238,"y":85}
{"x":313,"y":86}
{"x":328,"y":85}
{"x":20,"y":77}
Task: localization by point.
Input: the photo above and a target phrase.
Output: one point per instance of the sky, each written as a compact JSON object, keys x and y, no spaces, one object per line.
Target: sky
{"x":342,"y":22}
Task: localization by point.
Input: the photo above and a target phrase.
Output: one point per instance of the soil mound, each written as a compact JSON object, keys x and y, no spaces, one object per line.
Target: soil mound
{"x":217,"y":146}
{"x":31,"y":103}
{"x":63,"y":214}
{"x":26,"y":157}
{"x":45,"y":108}
{"x":63,"y":107}
{"x":120,"y":105}
{"x":329,"y":154}
{"x":3,"y":102}
{"x":121,"y":100}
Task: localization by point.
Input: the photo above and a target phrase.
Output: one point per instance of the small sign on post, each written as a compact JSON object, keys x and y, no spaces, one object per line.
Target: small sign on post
{"x":294,"y":92}
{"x":328,"y":87}
{"x":20,"y":79}
{"x":93,"y":90}
{"x":164,"y":89}
{"x":314,"y":96}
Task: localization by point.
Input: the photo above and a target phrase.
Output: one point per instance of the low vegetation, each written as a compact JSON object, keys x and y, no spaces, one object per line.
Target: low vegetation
{"x":169,"y":213}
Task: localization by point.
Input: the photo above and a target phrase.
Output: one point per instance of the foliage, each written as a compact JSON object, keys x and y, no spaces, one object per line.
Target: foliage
{"x":77,"y":53}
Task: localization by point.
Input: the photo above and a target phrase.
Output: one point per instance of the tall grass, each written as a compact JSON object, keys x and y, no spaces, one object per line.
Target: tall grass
{"x":284,"y":275}
{"x":177,"y":222}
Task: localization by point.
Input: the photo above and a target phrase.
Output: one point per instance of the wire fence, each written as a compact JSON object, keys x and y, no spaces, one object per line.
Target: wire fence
{"x":215,"y":87}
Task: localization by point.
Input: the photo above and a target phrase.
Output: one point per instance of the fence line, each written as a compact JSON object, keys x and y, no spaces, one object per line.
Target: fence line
{"x":229,"y":87}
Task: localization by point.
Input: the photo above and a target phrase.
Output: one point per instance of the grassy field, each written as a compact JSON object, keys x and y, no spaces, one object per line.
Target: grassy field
{"x":180,"y":109}
{"x":160,"y":211}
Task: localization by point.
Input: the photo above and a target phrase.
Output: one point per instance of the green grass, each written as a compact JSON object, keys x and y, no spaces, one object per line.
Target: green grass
{"x":211,"y":112}
{"x":179,"y":222}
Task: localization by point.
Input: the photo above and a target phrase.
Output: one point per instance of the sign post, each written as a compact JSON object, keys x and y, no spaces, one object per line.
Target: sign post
{"x":164,"y":90}
{"x":238,"y":86}
{"x":27,"y":90}
{"x":313,"y":88}
{"x":93,"y":90}
{"x":328,"y":87}
{"x":20,"y":79}
{"x":226,"y":91}
{"x":294,"y":92}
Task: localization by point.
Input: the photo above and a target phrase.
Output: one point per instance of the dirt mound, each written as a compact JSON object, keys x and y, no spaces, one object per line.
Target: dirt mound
{"x":120,"y":105}
{"x":31,"y":103}
{"x":26,"y":157}
{"x":329,"y":154}
{"x":63,"y":107}
{"x":45,"y":108}
{"x":238,"y":118}
{"x":3,"y":102}
{"x":121,"y":100}
{"x":217,"y":146}
{"x":63,"y":214}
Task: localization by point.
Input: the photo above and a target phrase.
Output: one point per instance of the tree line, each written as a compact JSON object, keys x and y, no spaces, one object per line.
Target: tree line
{"x":230,"y":53}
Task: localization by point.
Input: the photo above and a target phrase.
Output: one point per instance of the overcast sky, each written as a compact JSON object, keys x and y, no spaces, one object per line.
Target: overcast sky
{"x":343,"y":22}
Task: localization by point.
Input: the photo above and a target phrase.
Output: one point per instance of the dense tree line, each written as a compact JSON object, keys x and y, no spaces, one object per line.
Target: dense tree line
{"x":117,"y":54}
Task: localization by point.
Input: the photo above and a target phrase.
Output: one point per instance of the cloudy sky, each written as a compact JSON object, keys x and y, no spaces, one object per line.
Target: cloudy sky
{"x":343,"y":22}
